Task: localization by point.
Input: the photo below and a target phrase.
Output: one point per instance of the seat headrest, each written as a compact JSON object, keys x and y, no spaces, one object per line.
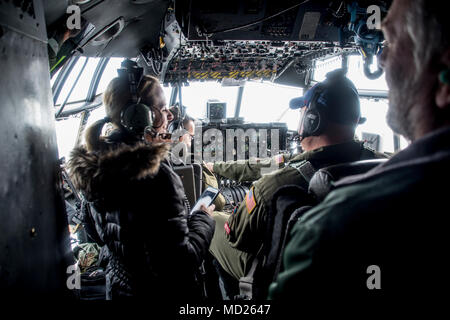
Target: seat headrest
{"x":322,"y":181}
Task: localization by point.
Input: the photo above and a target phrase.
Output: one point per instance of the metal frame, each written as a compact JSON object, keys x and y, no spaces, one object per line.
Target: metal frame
{"x":90,"y":100}
{"x":96,"y":79}
{"x":375,"y":94}
{"x":62,"y":77}
{"x":34,"y":238}
{"x":237,"y":109}
{"x":85,"y":107}
{"x":173,"y":95}
{"x":396,"y":142}
{"x":71,"y":89}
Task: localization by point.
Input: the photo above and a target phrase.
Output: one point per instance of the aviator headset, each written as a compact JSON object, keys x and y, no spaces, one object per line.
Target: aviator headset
{"x":136,"y":117}
{"x":316,"y":116}
{"x":314,"y":119}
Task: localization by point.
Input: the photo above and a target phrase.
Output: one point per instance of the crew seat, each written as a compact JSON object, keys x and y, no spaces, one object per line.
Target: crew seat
{"x":322,"y":181}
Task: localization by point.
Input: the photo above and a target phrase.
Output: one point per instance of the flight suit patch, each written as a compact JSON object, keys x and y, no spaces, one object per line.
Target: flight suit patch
{"x":279,"y":159}
{"x":227,"y":228}
{"x":250,"y":201}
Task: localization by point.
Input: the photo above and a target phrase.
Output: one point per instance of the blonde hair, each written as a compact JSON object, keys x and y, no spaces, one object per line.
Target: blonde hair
{"x":115,"y":99}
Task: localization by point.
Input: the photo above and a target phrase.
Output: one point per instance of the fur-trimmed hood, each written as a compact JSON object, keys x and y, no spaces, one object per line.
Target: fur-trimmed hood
{"x":98,"y":174}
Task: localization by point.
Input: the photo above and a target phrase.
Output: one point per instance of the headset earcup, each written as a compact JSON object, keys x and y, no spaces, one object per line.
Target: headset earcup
{"x":322,"y":121}
{"x":136,"y":117}
{"x":311,"y":123}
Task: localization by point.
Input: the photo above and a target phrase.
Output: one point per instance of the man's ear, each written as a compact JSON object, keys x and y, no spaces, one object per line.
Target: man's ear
{"x":442,"y":97}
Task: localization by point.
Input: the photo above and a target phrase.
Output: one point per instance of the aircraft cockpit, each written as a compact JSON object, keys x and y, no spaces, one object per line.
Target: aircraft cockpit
{"x":233,"y":67}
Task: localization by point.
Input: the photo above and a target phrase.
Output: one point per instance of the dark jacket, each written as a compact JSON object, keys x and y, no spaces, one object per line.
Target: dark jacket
{"x":137,"y":203}
{"x":386,"y":228}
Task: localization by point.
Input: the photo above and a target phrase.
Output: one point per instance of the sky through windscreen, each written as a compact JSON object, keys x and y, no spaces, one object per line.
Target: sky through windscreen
{"x":262,"y":102}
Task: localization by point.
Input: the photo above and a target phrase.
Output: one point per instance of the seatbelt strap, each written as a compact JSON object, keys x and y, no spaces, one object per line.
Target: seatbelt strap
{"x":305,"y":168}
{"x":246,"y":282}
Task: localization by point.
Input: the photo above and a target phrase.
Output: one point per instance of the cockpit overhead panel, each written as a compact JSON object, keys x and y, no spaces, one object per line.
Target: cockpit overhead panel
{"x":261,"y":40}
{"x":181,"y":41}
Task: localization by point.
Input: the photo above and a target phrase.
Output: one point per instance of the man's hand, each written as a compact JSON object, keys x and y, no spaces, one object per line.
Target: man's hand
{"x":210,"y":166}
{"x":208,"y":210}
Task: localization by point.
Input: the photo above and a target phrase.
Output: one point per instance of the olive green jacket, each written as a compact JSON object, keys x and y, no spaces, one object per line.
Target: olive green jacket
{"x":249,"y":170}
{"x":246,"y":226}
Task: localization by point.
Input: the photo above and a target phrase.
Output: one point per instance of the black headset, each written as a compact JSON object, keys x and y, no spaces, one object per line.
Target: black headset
{"x":136,"y":116}
{"x":179,"y":114}
{"x":314,"y":120}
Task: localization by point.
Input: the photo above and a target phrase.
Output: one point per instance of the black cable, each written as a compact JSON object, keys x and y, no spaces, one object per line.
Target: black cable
{"x":155,"y":67}
{"x":335,"y":14}
{"x":209,"y":34}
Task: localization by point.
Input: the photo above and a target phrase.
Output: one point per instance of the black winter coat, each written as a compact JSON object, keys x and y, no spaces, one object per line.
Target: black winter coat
{"x":137,"y":202}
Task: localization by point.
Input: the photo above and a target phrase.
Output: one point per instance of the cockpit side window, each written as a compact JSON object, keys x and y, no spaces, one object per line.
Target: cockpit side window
{"x":109,"y":73}
{"x":80,"y":91}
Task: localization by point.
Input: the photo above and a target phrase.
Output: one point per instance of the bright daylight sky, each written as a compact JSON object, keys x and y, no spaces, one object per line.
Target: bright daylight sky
{"x":261,"y":102}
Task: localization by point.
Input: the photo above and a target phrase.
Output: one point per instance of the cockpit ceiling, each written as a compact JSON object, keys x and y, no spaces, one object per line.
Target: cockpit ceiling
{"x":142,"y":25}
{"x":236,"y":39}
{"x":246,"y":60}
{"x":260,"y":39}
{"x":264,"y":50}
{"x":290,"y":20}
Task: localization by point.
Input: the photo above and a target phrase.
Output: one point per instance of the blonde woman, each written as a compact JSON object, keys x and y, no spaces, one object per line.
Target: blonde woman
{"x":137,"y":201}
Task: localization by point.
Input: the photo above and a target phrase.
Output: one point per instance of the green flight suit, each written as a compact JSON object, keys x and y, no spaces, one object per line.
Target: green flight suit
{"x":246,"y":170}
{"x":238,"y":237}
